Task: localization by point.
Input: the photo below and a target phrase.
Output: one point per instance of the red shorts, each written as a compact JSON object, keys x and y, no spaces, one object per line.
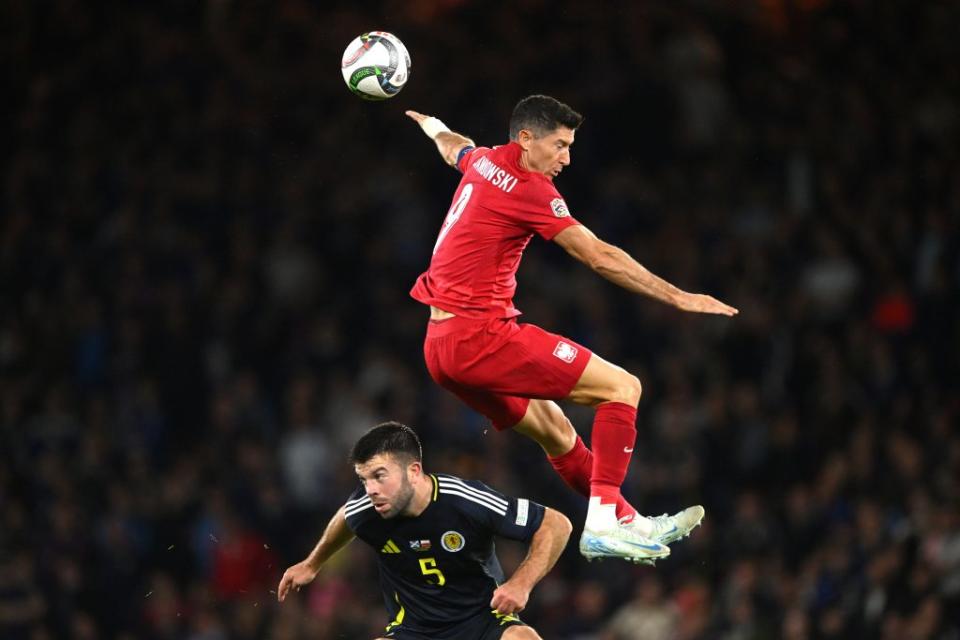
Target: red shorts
{"x":496,"y":365}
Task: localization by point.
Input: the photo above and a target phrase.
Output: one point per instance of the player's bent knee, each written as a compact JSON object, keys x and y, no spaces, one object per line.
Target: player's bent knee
{"x":627,"y":390}
{"x":546,"y":423}
{"x":520,"y":633}
{"x":564,"y":433}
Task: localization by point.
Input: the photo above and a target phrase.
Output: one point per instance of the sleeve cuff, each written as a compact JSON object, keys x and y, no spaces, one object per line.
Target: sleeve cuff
{"x":550,"y":232}
{"x":463,"y":152}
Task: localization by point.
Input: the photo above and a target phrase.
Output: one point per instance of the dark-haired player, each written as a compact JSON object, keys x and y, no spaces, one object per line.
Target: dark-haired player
{"x":512,"y":372}
{"x":434,"y":537}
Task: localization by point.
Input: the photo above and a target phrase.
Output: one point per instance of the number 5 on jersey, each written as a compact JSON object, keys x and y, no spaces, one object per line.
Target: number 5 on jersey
{"x":429,"y":568}
{"x":456,"y":209}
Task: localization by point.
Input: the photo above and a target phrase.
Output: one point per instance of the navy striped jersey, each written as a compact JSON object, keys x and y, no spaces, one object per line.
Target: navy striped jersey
{"x":440,"y":568}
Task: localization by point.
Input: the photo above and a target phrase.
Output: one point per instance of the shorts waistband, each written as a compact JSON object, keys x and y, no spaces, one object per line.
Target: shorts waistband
{"x":440,"y":328}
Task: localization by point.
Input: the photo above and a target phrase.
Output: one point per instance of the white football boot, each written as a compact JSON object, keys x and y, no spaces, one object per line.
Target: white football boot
{"x":668,"y":529}
{"x":604,"y":537}
{"x":622,"y":543}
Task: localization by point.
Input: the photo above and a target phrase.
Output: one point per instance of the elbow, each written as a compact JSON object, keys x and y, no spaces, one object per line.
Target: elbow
{"x":567,"y":527}
{"x":562,"y":525}
{"x":593,"y":259}
{"x":603,"y":259}
{"x":599,"y":265}
{"x":604,"y":266}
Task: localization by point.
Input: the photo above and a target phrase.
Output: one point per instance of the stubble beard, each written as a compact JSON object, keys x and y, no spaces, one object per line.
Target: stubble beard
{"x":403,"y":499}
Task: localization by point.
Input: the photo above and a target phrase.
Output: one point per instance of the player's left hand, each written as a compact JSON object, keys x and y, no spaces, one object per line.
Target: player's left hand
{"x":702,"y":303}
{"x":509,"y":598}
{"x":416,"y":116}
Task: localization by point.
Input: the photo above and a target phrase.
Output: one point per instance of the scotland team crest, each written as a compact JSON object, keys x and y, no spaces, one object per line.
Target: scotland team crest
{"x":452,"y":541}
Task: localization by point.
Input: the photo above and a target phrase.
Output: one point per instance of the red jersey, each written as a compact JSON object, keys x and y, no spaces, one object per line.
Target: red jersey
{"x":496,"y":210}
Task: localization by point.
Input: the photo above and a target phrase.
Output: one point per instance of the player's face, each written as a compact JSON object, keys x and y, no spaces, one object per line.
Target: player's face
{"x":549,"y":153}
{"x":387,"y":483}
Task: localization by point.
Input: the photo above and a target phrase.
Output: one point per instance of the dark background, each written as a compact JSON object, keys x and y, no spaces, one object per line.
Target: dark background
{"x":206,"y":244}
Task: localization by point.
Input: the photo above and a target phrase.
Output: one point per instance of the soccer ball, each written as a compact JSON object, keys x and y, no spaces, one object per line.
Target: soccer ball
{"x":376,"y":65}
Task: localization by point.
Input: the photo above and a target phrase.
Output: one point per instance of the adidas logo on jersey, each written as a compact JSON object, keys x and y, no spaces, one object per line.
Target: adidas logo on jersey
{"x":390,"y":547}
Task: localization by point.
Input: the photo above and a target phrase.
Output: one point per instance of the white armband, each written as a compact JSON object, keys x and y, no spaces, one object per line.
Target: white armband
{"x":433,"y":126}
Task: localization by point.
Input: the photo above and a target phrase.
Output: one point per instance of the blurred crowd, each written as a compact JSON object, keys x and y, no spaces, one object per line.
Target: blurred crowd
{"x":206,"y":244}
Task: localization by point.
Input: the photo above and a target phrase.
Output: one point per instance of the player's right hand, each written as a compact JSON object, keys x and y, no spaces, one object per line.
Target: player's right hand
{"x":509,"y":598}
{"x":296,"y":576}
{"x":702,"y":303}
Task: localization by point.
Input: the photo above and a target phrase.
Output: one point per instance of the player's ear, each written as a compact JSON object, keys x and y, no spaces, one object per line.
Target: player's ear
{"x":415,"y":468}
{"x":524,"y":138}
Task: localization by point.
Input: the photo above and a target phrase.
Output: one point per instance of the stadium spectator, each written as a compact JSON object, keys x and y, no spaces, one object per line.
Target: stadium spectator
{"x":197,"y":216}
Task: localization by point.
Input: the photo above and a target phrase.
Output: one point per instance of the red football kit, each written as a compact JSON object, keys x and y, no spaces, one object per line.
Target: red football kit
{"x":483,"y":355}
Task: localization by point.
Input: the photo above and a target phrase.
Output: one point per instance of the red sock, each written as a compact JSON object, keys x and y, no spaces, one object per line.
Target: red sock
{"x":614,"y":434}
{"x":576,"y":467}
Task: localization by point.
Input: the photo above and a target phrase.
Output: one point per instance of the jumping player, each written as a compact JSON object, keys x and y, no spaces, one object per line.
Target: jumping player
{"x":433,"y":534}
{"x":512,"y":372}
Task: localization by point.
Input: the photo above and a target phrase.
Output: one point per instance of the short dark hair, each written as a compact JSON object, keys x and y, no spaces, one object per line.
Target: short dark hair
{"x":389,"y":437}
{"x":541,"y":115}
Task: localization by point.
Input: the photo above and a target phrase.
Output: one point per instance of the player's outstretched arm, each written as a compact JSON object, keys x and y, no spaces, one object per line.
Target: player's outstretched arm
{"x":545,"y":547}
{"x":618,"y":267}
{"x":335,"y":537}
{"x":449,"y":144}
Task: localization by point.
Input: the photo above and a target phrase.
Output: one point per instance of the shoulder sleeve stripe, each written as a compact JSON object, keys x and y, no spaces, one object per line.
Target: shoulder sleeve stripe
{"x":350,"y":514}
{"x":457,"y":482}
{"x":484,"y":503}
{"x":356,"y":501}
{"x":463,"y":486}
{"x":352,"y":510}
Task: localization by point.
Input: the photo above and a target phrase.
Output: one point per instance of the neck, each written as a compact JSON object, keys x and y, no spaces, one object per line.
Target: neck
{"x":422,"y":493}
{"x":524,"y":163}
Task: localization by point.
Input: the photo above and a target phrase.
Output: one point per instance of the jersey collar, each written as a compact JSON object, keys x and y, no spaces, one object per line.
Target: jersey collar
{"x":513,"y":152}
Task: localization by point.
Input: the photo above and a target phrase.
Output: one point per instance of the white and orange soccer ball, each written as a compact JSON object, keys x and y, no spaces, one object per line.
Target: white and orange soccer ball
{"x":376,"y":65}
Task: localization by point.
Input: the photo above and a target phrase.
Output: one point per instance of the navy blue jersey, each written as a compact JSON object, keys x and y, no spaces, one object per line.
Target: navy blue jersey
{"x":439,"y":569}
